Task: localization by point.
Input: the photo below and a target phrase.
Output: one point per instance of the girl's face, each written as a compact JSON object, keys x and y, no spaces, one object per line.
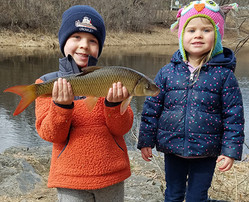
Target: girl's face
{"x":198,"y":38}
{"x":80,"y":45}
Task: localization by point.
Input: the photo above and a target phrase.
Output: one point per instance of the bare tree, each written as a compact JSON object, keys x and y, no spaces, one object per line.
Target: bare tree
{"x":119,"y":15}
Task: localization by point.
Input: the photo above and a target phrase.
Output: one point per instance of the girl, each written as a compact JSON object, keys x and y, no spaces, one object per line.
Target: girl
{"x":197,"y":119}
{"x":89,"y":157}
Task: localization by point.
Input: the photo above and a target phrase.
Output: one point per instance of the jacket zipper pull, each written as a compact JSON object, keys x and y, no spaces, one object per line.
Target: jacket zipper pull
{"x":192,"y":76}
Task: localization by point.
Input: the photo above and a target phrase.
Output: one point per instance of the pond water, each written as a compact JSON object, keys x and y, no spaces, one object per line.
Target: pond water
{"x":21,"y":66}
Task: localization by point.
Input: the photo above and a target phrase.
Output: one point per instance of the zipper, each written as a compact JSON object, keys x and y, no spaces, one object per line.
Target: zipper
{"x":118,"y":144}
{"x":68,"y":137}
{"x":189,"y":91}
{"x":192,"y":76}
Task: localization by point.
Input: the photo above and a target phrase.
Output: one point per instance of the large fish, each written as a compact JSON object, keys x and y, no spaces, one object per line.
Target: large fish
{"x":92,"y":82}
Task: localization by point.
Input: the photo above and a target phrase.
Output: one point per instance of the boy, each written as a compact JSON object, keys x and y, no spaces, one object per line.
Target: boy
{"x":89,"y":157}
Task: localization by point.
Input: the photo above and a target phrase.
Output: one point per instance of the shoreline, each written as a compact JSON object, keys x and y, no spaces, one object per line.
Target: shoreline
{"x":159,"y":36}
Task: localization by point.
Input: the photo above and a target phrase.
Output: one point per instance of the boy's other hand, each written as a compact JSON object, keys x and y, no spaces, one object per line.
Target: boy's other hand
{"x":117,"y":93}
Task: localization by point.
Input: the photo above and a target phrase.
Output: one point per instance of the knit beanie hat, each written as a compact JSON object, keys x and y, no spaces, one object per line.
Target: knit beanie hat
{"x":206,"y":9}
{"x":81,"y":18}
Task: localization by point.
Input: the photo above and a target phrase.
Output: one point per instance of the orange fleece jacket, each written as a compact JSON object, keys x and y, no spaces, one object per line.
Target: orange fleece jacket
{"x":96,"y":155}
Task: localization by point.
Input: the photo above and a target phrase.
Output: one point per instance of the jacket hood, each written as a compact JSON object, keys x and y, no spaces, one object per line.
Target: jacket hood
{"x":67,"y":66}
{"x":226,"y":59}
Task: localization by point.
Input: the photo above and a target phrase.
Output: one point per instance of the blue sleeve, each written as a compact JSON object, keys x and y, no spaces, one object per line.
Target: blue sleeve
{"x":233,"y":118}
{"x":152,"y":110}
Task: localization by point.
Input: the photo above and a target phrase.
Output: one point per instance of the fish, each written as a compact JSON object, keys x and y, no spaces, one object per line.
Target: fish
{"x":93,"y":82}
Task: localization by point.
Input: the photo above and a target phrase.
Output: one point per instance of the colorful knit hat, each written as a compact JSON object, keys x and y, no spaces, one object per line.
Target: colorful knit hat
{"x":206,"y":9}
{"x":81,"y":18}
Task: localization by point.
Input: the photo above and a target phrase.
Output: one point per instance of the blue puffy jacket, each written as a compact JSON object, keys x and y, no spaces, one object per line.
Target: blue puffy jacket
{"x":201,"y":119}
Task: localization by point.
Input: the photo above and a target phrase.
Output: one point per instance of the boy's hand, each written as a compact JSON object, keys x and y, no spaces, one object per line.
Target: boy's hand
{"x":227,"y":164}
{"x":146,"y":153}
{"x":62,"y":92}
{"x":117,"y":93}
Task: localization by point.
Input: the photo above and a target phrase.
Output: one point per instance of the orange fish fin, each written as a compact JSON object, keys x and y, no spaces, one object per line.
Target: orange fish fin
{"x":90,"y":102}
{"x":27,"y":93}
{"x":124,"y":105}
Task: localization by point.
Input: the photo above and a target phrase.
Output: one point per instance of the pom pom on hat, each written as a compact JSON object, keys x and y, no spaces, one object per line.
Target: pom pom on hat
{"x":81,"y":18}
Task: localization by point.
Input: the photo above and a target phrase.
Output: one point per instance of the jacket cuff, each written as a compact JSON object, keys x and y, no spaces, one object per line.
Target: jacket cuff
{"x":71,"y":106}
{"x":111,"y":104}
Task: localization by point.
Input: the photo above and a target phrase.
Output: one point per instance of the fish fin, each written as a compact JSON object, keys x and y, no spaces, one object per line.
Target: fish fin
{"x":87,"y":70}
{"x":90,"y":102}
{"x":125,"y":104}
{"x":27,"y":93}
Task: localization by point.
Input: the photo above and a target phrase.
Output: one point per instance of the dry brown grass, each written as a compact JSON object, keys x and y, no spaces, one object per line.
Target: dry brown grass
{"x":232,"y":185}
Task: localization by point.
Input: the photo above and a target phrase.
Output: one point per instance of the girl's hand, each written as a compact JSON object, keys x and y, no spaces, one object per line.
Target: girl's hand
{"x":146,"y":153}
{"x":62,"y":92}
{"x":117,"y":93}
{"x":227,"y":164}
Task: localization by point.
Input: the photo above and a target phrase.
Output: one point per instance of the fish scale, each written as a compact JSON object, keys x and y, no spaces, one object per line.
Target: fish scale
{"x":98,"y":83}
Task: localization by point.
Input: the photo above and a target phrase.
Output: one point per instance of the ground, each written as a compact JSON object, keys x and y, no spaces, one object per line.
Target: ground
{"x":19,"y":182}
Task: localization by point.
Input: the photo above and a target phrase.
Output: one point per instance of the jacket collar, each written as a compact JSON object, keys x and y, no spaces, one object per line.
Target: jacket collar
{"x":226,"y":59}
{"x":68,"y":66}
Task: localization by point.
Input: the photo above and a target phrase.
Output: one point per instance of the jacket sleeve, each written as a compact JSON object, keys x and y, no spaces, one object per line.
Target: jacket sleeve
{"x":233,"y":118}
{"x":152,"y":110}
{"x":52,"y":122}
{"x":118,"y":124}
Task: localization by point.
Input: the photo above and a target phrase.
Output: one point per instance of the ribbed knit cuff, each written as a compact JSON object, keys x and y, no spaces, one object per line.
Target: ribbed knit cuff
{"x":111,"y":104}
{"x":71,"y":106}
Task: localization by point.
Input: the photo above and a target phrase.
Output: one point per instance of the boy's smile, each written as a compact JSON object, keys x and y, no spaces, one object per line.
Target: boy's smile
{"x":80,"y":45}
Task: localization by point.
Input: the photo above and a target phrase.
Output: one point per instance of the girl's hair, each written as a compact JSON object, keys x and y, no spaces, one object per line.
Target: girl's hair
{"x":204,"y":59}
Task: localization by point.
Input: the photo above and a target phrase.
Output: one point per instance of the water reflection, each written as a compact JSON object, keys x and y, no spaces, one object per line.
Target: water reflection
{"x":26,"y":66}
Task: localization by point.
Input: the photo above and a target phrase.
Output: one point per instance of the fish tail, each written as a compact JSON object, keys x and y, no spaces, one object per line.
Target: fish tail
{"x":27,"y":93}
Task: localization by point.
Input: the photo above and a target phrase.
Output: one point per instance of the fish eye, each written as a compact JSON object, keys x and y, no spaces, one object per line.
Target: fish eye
{"x":147,"y":86}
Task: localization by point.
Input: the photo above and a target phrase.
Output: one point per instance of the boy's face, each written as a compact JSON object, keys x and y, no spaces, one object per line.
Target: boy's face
{"x":80,"y":45}
{"x":198,"y":38}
